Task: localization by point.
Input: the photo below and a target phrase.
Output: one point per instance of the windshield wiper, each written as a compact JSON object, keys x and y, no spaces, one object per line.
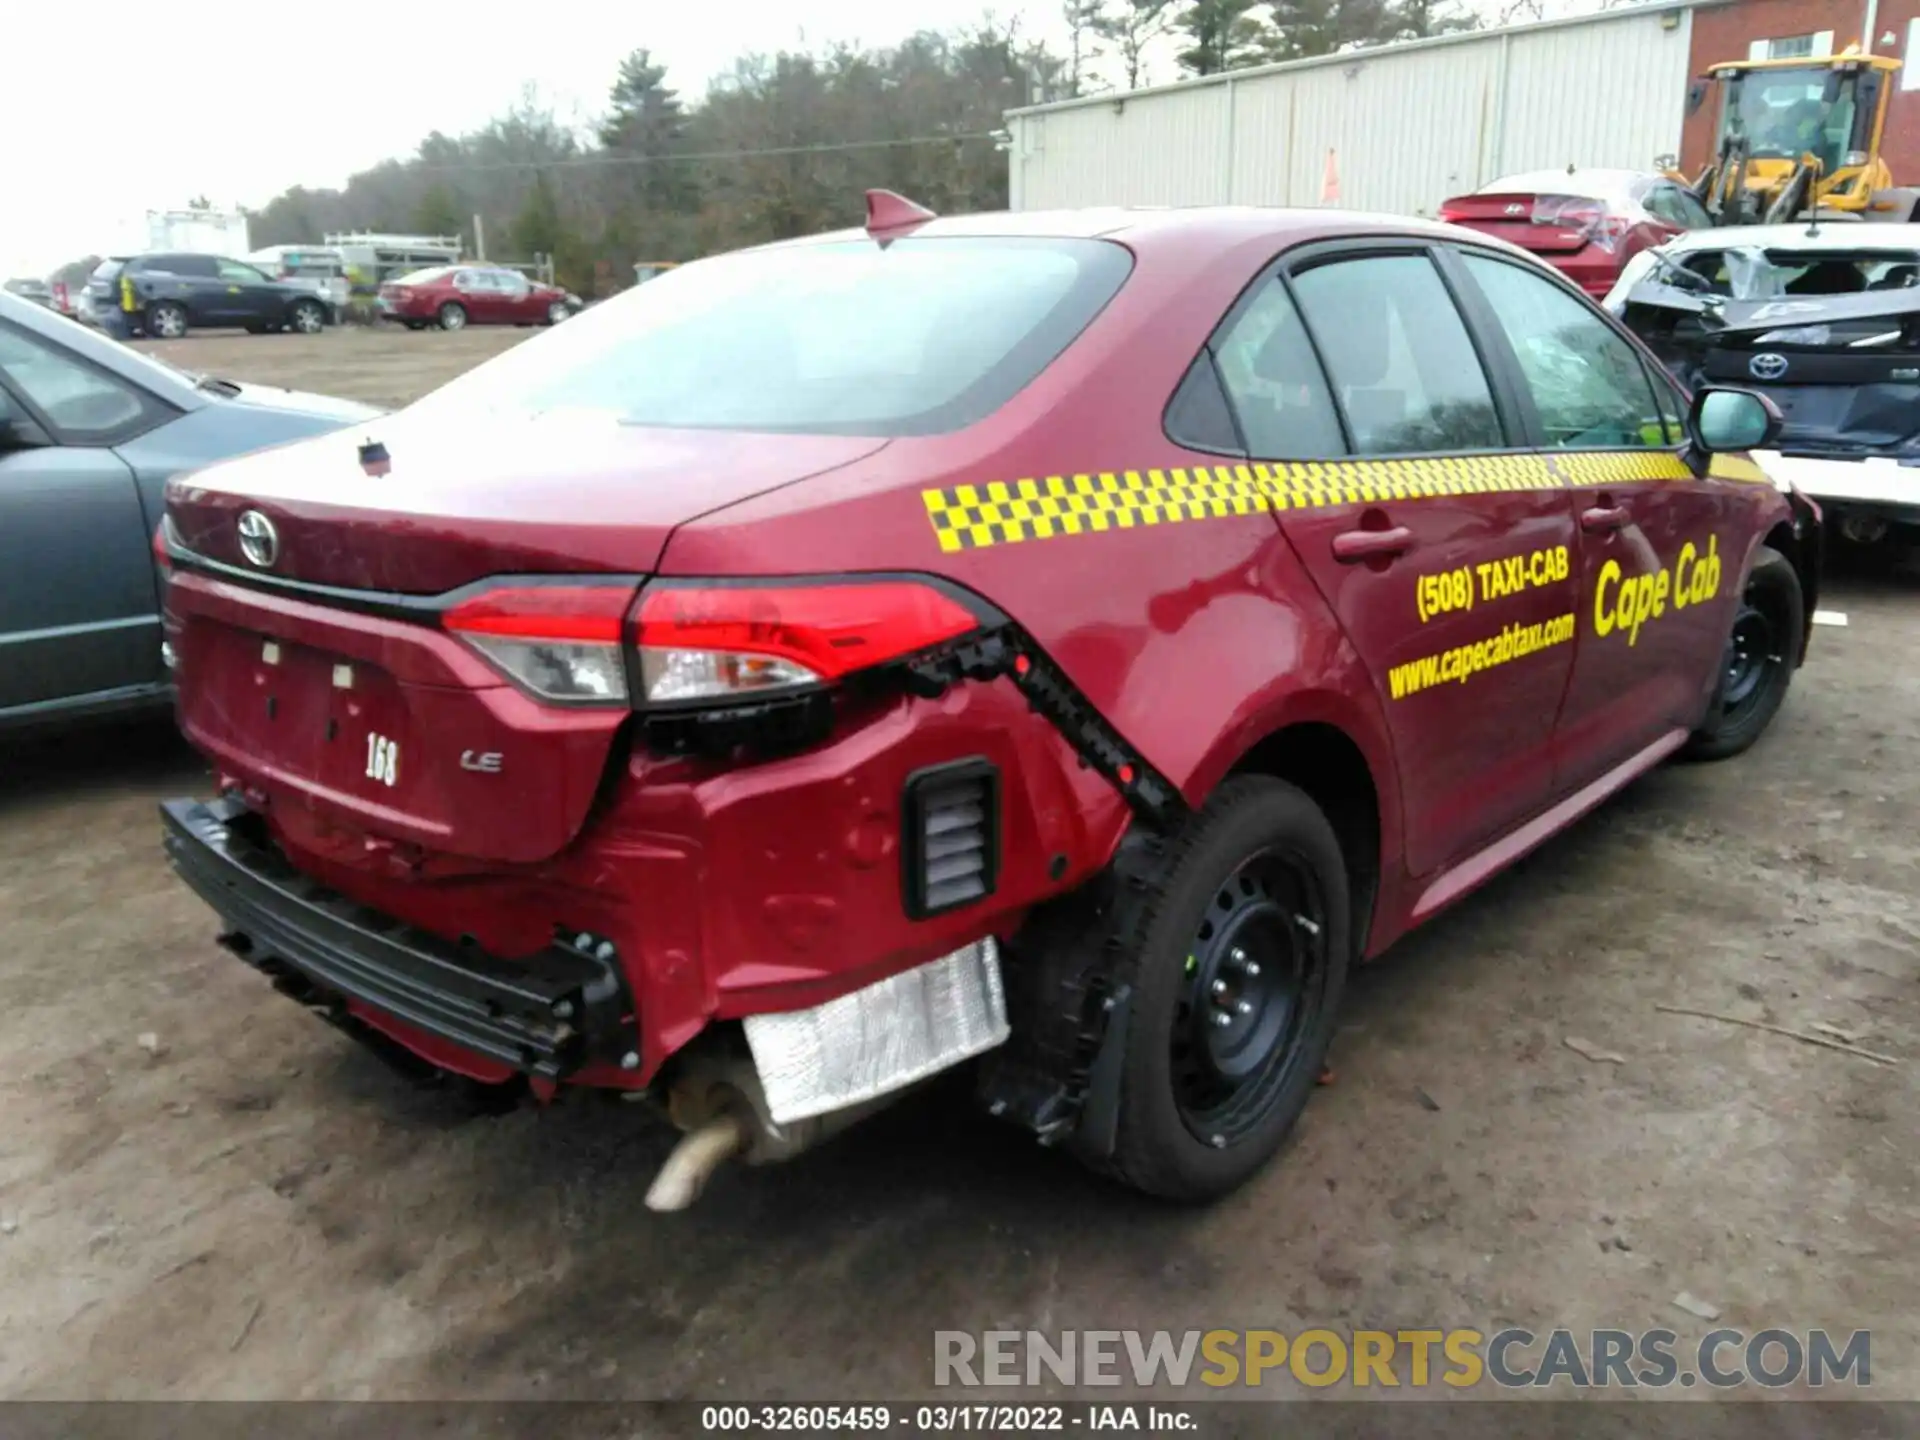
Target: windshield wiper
{"x":214,"y":385}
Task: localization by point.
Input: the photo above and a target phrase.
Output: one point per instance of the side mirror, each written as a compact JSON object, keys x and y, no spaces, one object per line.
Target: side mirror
{"x":1728,"y":419}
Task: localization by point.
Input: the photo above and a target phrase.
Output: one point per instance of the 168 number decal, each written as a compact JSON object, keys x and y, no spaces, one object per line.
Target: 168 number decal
{"x":383,"y":759}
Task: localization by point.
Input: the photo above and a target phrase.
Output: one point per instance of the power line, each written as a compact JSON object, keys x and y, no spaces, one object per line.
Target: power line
{"x":604,"y":159}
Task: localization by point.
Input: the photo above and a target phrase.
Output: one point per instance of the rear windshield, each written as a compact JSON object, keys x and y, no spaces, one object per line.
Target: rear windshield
{"x":1747,"y":273}
{"x":843,"y":337}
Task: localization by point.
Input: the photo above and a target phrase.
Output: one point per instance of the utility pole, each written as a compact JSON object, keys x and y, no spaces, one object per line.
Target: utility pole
{"x":479,"y":238}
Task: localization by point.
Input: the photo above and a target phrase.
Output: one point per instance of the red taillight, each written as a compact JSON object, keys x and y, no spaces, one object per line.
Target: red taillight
{"x":708,"y":641}
{"x":562,"y":642}
{"x":589,"y":613}
{"x":701,"y":640}
{"x":160,"y":547}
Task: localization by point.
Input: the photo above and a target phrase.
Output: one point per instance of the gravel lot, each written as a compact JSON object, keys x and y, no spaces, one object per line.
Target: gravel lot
{"x":251,"y":1206}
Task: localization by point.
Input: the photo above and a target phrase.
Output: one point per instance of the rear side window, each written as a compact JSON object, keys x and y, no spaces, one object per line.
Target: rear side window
{"x":1587,"y":383}
{"x":1275,"y":383}
{"x":1403,"y":368}
{"x":918,"y":337}
{"x":201,"y":265}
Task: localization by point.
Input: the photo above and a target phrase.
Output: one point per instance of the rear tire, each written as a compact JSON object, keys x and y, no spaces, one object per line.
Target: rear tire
{"x":452,"y":316}
{"x":1756,"y":667}
{"x":165,"y":320}
{"x":1236,"y":965}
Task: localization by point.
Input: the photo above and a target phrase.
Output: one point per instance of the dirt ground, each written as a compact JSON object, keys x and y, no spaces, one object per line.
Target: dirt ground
{"x":249,"y":1205}
{"x":385,"y":366}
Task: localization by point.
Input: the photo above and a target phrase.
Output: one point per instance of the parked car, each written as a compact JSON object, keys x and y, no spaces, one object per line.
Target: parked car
{"x":318,"y":268}
{"x":455,"y":296}
{"x":38,"y":291}
{"x":1585,"y":223}
{"x":166,"y":294}
{"x":1825,"y":321}
{"x":1150,"y":617}
{"x":90,"y":431}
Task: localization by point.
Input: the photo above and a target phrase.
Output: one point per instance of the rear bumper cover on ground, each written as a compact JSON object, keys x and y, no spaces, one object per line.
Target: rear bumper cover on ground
{"x":548,"y":1015}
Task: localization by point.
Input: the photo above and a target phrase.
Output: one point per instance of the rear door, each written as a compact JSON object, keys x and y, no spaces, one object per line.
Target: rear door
{"x":1446,"y":554}
{"x":79,"y":612}
{"x":192,"y":280}
{"x":480,"y":293}
{"x":1657,"y":546}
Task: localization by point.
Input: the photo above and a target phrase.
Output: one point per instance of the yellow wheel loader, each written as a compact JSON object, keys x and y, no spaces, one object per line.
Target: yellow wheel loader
{"x":1799,"y":137}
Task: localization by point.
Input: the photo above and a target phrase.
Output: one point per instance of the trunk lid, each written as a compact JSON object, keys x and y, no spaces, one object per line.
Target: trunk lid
{"x":365,"y":729}
{"x":451,"y":504}
{"x":1544,"y":224}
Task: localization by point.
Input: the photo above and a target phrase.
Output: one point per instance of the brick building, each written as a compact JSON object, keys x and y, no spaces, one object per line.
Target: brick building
{"x":1782,"y":29}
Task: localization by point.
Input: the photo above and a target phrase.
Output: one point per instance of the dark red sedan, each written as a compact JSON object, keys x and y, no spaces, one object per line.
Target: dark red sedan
{"x":1065,"y":641}
{"x":1585,"y":223}
{"x":456,"y":296}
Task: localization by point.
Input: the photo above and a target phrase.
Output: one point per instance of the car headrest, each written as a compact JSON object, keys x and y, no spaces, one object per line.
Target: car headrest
{"x":1287,"y":359}
{"x":1356,"y":347}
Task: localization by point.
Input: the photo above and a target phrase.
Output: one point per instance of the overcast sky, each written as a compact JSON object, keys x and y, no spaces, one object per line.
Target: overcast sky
{"x":99,"y":128}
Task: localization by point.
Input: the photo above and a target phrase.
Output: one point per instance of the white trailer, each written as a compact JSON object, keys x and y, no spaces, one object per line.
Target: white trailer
{"x":198,"y":232}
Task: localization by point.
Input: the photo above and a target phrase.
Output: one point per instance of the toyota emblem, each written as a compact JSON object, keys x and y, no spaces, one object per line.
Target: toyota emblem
{"x":1767,"y":366}
{"x":259,"y":541}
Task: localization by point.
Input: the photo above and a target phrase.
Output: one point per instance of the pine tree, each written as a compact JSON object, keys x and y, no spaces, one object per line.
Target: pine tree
{"x":1222,"y":35}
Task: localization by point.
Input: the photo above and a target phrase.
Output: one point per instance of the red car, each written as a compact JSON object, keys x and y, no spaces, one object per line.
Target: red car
{"x":1585,"y":223}
{"x":456,"y":296}
{"x":1072,"y":640}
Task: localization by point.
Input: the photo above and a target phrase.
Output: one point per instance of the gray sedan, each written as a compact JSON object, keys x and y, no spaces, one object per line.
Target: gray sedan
{"x":90,"y":432}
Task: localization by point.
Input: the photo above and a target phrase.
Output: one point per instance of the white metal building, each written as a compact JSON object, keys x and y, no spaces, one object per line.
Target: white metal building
{"x":1407,"y":125}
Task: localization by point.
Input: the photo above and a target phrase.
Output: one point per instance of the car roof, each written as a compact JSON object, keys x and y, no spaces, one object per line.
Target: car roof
{"x":1148,"y":227}
{"x":1594,"y":183}
{"x":1831,"y":235}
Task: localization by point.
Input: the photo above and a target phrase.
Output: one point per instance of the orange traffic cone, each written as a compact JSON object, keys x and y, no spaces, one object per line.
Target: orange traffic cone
{"x":1330,"y":182}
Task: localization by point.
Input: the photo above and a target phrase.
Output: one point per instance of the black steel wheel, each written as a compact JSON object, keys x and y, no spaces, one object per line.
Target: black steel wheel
{"x":1255,"y":979}
{"x":1235,"y":960}
{"x":1757,"y":663}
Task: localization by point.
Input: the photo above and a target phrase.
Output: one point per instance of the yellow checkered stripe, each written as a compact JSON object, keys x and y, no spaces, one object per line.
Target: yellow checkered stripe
{"x":1006,"y":512}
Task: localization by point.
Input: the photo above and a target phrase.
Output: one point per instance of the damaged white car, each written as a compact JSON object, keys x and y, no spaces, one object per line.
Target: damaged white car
{"x":1825,"y":321}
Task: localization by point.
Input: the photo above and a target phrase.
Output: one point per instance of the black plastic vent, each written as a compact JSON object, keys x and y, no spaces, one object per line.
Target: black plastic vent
{"x":950,"y":836}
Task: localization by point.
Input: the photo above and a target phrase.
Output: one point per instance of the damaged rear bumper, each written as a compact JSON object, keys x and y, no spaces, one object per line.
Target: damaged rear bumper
{"x":548,"y":1015}
{"x":1867,"y":485}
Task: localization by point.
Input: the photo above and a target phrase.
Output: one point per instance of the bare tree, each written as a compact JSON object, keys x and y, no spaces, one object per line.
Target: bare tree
{"x":1132,"y":27}
{"x":1082,"y":19}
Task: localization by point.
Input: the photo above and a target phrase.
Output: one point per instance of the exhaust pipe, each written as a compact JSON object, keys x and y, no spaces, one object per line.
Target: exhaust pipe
{"x":694,"y":1160}
{"x":721,"y":1111}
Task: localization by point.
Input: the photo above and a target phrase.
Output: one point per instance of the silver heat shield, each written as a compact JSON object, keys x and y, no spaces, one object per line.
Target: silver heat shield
{"x":882,"y":1038}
